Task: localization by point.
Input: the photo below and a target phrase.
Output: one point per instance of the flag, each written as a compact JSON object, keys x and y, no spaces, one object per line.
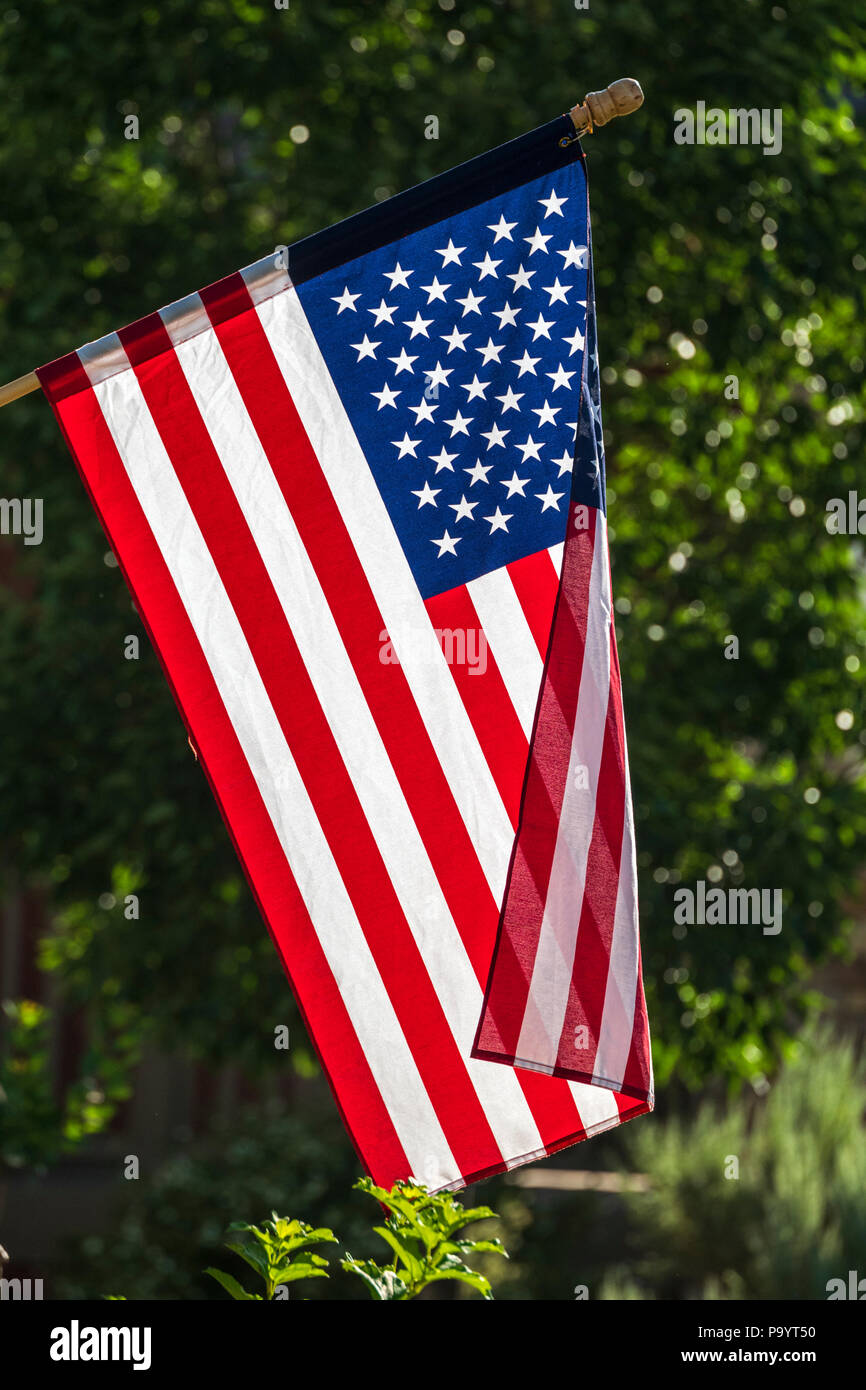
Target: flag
{"x":357,"y":492}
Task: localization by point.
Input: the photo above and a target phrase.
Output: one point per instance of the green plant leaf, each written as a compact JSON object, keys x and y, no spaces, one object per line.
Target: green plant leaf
{"x":231,"y":1286}
{"x":384,"y":1284}
{"x":414,"y":1266}
{"x":465,"y":1276}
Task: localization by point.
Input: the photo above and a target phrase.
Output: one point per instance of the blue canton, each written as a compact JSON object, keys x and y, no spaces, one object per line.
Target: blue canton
{"x":458,"y":353}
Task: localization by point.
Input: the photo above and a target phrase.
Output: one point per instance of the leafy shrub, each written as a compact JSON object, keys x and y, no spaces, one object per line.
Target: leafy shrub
{"x":764,"y":1201}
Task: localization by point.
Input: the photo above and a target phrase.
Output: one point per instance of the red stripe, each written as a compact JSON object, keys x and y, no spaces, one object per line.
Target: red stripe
{"x":60,"y":379}
{"x":536,"y":583}
{"x":485,"y":697}
{"x":638,"y":1072}
{"x":529,"y":875}
{"x":309,"y":737}
{"x":325,"y":1015}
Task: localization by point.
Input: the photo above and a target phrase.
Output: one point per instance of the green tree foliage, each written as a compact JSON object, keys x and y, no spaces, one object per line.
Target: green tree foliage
{"x":36,"y":1127}
{"x":258,"y":125}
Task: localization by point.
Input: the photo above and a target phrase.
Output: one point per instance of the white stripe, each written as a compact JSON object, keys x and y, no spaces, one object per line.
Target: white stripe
{"x":360,"y":744}
{"x":373,"y":536}
{"x":226,"y":651}
{"x":103,"y":358}
{"x":617,"y":1020}
{"x":597,"y":1106}
{"x":556,"y":553}
{"x":266,"y":277}
{"x":552,"y":970}
{"x":510,"y":639}
{"x":185,"y":318}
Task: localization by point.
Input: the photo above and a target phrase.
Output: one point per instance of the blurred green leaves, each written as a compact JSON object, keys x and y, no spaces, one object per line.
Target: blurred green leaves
{"x":35,"y":1126}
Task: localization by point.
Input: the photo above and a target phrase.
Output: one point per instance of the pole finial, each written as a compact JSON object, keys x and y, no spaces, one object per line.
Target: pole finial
{"x":597,"y":108}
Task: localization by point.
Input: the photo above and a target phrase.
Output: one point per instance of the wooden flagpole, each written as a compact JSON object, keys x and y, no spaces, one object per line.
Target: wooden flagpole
{"x":21,"y":386}
{"x":596,"y":109}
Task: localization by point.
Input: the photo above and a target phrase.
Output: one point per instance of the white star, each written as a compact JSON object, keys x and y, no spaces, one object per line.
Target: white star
{"x":506,"y":315}
{"x":459,"y":424}
{"x":575,"y":255}
{"x":446,"y":544}
{"x":478,"y":474}
{"x":572,"y":425}
{"x":557,"y":292}
{"x":435,"y":291}
{"x":502,"y":229}
{"x":538,"y":241}
{"x":546,"y":414}
{"x":424,"y":411}
{"x":495,"y":436}
{"x":438,"y":376}
{"x":345,"y":300}
{"x":521,"y":277}
{"x":577,"y":341}
{"x":498,"y":522}
{"x":406,"y":446}
{"x":383,"y":312}
{"x":462,"y":509}
{"x":471,"y":303}
{"x":443,"y":460}
{"x":514,"y":484}
{"x":525,"y":363}
{"x":490,"y":352}
{"x":541,"y":328}
{"x":398,"y":276}
{"x":450,"y":254}
{"x":426,"y":496}
{"x":510,"y":400}
{"x":549,"y":499}
{"x":455,"y":339}
{"x":487,"y":267}
{"x":365,"y":349}
{"x":566,"y":462}
{"x":553,"y":204}
{"x":418,"y":325}
{"x":560,"y":377}
{"x":529,"y":449}
{"x":386,"y":396}
{"x":403,"y":363}
{"x":475,"y":388}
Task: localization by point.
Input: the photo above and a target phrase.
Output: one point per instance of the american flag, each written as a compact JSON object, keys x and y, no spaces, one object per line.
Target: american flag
{"x":357,"y":492}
